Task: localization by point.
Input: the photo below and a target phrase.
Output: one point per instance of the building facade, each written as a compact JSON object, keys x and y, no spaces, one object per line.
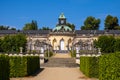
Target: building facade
{"x":62,"y":38}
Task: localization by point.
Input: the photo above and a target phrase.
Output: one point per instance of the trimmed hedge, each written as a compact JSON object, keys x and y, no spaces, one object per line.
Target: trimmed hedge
{"x":18,"y":66}
{"x":89,"y":66}
{"x":33,"y":64}
{"x":109,"y":67}
{"x":4,"y":67}
{"x":23,"y":65}
{"x":106,"y":67}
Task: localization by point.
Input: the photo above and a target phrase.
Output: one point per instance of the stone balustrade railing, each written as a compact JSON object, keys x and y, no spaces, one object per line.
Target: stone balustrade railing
{"x":41,"y":55}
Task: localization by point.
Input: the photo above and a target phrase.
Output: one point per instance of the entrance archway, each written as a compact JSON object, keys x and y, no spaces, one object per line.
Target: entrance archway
{"x":62,"y":44}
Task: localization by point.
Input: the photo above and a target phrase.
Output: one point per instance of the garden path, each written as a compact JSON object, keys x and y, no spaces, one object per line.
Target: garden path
{"x":57,"y":73}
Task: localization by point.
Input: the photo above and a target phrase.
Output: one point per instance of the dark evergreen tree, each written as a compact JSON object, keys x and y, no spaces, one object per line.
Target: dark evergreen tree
{"x":117,"y":44}
{"x":91,"y":23}
{"x":6,"y":28}
{"x":72,"y":26}
{"x":12,"y":43}
{"x":31,"y":26}
{"x":106,"y":43}
{"x":111,"y":23}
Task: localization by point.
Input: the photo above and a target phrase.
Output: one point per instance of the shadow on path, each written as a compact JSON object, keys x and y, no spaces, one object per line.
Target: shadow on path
{"x":37,"y":72}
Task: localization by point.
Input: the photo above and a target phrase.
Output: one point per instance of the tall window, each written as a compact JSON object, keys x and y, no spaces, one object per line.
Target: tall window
{"x":62,"y":44}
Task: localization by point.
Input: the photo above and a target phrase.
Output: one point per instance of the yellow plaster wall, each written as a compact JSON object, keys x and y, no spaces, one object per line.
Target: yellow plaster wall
{"x":58,"y":38}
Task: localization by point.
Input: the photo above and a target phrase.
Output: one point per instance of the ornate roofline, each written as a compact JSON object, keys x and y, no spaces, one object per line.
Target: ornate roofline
{"x":62,"y":16}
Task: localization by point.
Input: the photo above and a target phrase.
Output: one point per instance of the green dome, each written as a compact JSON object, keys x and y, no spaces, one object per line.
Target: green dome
{"x":62,"y":16}
{"x":62,"y":27}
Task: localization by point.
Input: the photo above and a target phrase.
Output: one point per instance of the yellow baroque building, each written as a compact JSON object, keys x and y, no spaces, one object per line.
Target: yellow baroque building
{"x":61,"y":38}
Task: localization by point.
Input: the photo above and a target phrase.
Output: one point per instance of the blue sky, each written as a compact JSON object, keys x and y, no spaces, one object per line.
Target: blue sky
{"x":16,"y":13}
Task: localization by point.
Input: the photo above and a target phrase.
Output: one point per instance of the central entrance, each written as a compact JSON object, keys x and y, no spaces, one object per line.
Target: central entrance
{"x":62,"y":44}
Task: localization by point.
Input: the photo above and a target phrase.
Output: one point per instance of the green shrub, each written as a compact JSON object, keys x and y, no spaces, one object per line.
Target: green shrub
{"x":108,"y":44}
{"x":82,"y":64}
{"x":117,"y":45}
{"x":50,"y":53}
{"x":73,"y":53}
{"x":89,"y":66}
{"x":12,"y":43}
{"x":109,"y":67}
{"x":35,"y":64}
{"x":23,"y":65}
{"x":4,"y":67}
{"x":18,"y":66}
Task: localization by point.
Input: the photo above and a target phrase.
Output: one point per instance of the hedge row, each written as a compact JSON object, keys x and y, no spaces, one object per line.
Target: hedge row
{"x":89,"y":66}
{"x":4,"y":67}
{"x":105,"y":67}
{"x":17,"y":66}
{"x":109,"y":67}
{"x":33,"y":64}
{"x":23,"y":66}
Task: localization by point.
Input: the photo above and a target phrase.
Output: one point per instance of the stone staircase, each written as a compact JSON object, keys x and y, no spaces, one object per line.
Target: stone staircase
{"x":61,"y":51}
{"x":60,"y":62}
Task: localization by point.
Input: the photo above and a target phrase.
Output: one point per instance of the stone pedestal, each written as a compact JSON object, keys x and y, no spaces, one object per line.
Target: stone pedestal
{"x":21,"y":50}
{"x":77,"y":56}
{"x":99,"y":50}
{"x":42,"y":56}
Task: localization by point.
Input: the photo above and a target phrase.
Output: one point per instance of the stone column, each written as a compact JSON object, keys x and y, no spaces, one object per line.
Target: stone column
{"x":42,"y":55}
{"x":77,"y":55}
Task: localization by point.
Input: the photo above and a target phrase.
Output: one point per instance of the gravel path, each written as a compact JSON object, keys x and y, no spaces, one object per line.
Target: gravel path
{"x":62,"y":56}
{"x":57,"y":74}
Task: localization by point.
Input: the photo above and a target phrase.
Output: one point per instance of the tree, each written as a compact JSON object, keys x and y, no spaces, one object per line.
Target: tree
{"x":12,"y":43}
{"x":111,"y":23}
{"x":45,"y":28}
{"x":106,"y":43}
{"x":117,"y":45}
{"x":20,"y":41}
{"x":31,"y":26}
{"x":91,"y":24}
{"x":12,"y":28}
{"x":0,"y":45}
{"x":6,"y":44}
{"x":34,"y":25}
{"x":6,"y":28}
{"x":72,"y":26}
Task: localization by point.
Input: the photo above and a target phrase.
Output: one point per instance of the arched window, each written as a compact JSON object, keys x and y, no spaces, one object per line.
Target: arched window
{"x":62,"y":44}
